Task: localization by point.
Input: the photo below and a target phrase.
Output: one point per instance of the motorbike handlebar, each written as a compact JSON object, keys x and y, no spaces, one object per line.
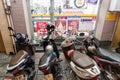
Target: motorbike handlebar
{"x":21,"y":38}
{"x":45,"y":38}
{"x":11,"y":35}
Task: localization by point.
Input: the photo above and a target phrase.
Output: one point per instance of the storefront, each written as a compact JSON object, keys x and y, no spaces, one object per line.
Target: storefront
{"x":70,"y":16}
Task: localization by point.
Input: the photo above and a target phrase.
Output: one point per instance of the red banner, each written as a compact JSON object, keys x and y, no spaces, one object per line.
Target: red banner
{"x":41,"y":28}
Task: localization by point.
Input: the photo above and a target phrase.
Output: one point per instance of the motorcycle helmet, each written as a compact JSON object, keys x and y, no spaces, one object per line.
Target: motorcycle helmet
{"x":22,"y":38}
{"x":49,"y":48}
{"x":50,"y":27}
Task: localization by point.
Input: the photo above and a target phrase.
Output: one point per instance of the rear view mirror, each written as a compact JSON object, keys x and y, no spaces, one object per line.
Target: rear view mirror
{"x":10,"y":28}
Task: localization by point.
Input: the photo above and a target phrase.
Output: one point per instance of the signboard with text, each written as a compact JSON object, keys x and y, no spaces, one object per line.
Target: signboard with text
{"x":41,"y":28}
{"x":64,"y":7}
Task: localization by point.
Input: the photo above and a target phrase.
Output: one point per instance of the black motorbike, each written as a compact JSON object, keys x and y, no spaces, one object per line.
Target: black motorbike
{"x":22,"y":64}
{"x":49,"y":64}
{"x":108,"y":61}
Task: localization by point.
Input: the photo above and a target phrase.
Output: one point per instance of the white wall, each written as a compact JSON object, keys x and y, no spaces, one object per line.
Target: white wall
{"x":101,"y":18}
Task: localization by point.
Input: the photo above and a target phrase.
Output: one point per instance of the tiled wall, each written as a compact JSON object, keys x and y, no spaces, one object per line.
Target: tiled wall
{"x":18,"y":16}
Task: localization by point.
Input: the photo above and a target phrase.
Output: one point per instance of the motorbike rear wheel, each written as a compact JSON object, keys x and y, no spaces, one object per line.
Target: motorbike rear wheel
{"x":105,"y":75}
{"x":58,"y":72}
{"x":59,"y":78}
{"x":73,"y":76}
{"x":28,"y":77}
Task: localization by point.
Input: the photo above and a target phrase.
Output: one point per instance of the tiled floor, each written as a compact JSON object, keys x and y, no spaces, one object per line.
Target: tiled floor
{"x":39,"y":74}
{"x":4,"y":60}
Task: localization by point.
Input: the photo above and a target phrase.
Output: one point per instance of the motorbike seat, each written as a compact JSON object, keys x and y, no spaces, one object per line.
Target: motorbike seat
{"x":46,"y":59}
{"x":81,"y":60}
{"x":18,"y":57}
{"x":107,"y":54}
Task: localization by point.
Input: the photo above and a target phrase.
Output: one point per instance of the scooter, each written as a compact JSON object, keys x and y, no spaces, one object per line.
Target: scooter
{"x":107,"y":60}
{"x":22,"y":64}
{"x":49,"y":64}
{"x":83,"y":67}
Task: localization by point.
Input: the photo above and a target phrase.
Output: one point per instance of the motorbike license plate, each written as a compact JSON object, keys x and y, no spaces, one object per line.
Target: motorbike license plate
{"x":7,"y":78}
{"x":20,"y":77}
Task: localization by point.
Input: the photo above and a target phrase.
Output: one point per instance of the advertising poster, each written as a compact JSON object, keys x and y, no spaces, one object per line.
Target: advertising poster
{"x":92,"y":1}
{"x":64,"y":7}
{"x":73,"y":27}
{"x":60,"y":29}
{"x":86,"y":24}
{"x":40,"y":28}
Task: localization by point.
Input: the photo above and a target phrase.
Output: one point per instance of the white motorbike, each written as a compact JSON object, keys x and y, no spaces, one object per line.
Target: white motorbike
{"x":83,"y":67}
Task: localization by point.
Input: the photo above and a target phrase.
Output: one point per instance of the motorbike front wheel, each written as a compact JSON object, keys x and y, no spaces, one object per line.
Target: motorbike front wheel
{"x":105,"y":75}
{"x":59,"y":78}
{"x":28,"y":77}
{"x":58,"y":75}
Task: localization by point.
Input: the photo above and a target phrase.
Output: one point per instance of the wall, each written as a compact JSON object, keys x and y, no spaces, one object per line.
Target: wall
{"x":104,"y":5}
{"x":109,"y":26}
{"x":20,"y":16}
{"x":5,"y":40}
{"x":28,"y":18}
{"x":2,"y":48}
{"x":116,"y":37}
{"x":17,"y":13}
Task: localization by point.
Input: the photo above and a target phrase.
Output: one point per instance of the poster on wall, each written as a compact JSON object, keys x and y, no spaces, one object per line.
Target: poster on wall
{"x":40,"y":28}
{"x":92,"y":1}
{"x":86,"y":24}
{"x":60,"y":27}
{"x":72,"y":27}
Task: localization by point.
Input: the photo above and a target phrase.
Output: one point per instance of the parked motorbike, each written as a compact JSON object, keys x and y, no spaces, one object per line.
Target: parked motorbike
{"x":49,"y":64}
{"x":22,"y":64}
{"x":83,"y":67}
{"x":107,"y":60}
